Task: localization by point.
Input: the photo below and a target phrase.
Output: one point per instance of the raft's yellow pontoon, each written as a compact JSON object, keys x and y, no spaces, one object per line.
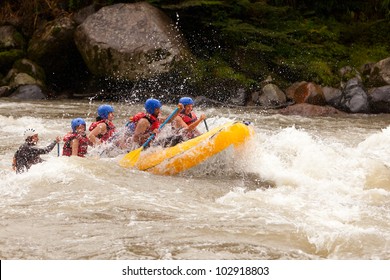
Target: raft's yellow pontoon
{"x":173,"y":160}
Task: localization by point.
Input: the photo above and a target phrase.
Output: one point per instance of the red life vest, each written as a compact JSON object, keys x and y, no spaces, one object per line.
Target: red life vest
{"x":110,"y":129}
{"x":83,"y":144}
{"x":188,"y":119}
{"x":154,"y":122}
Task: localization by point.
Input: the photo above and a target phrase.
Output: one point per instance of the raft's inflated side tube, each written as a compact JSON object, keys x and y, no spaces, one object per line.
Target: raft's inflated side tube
{"x":185,"y":155}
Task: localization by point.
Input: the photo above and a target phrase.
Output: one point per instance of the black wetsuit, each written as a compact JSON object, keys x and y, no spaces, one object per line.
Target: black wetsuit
{"x":28,"y":154}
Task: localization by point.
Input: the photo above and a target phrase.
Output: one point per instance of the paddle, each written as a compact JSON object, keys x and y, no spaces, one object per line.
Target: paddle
{"x":131,"y":158}
{"x":205,"y":124}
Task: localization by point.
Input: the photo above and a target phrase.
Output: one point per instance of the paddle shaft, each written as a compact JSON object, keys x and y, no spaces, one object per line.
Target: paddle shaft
{"x":205,"y":124}
{"x":160,"y":127}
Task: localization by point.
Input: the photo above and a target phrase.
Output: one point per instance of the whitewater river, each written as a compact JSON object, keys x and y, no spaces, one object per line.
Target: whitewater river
{"x":302,"y":188}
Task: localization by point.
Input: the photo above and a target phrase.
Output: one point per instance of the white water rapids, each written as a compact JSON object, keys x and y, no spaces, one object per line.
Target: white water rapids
{"x":302,"y":188}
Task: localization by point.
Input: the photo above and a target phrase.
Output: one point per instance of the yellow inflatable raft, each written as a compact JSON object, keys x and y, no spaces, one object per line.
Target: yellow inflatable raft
{"x":173,"y":160}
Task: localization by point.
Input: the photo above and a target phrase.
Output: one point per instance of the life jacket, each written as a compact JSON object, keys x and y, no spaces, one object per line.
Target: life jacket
{"x":154,"y":122}
{"x":110,"y":129}
{"x":83,"y":144}
{"x":188,"y":119}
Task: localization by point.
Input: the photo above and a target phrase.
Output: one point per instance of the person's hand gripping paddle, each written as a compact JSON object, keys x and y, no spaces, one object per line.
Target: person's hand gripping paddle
{"x":130,"y":159}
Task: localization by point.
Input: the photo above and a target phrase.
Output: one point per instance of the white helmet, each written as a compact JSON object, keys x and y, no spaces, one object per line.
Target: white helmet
{"x":29,"y":132}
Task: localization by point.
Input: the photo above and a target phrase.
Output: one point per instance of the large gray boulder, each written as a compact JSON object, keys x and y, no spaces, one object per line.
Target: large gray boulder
{"x":129,"y":41}
{"x":332,"y":96}
{"x":379,"y":99}
{"x":380,"y":73}
{"x":354,"y":98}
{"x":271,"y":96}
{"x":30,"y":92}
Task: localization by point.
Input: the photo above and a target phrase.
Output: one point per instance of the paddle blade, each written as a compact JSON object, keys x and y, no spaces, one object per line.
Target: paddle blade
{"x":131,"y":158}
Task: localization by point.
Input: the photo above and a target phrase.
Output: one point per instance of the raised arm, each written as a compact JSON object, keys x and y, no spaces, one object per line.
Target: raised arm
{"x":195,"y":123}
{"x":49,"y":148}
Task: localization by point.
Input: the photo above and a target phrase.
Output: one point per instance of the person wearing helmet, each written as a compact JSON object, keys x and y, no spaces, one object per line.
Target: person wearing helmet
{"x":28,"y":154}
{"x":76,"y":142}
{"x":103,"y":128}
{"x":143,"y":124}
{"x":188,"y":121}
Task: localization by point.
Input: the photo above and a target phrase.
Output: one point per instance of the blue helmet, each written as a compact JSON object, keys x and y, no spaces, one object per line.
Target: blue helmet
{"x":186,"y":101}
{"x":104,"y":110}
{"x":76,"y":122}
{"x":151,"y":105}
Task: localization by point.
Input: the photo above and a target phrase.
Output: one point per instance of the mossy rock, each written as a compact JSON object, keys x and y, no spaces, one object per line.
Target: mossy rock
{"x":7,"y":58}
{"x":30,"y":68}
{"x":21,"y":79}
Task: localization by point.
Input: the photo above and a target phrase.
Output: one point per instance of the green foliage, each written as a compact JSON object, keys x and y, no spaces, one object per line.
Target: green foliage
{"x":359,"y":9}
{"x":210,"y":76}
{"x":255,"y":43}
{"x":227,"y":73}
{"x":323,"y":73}
{"x":360,"y":55}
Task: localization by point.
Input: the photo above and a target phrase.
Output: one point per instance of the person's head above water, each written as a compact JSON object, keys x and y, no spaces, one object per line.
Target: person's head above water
{"x":30,"y":135}
{"x":76,"y":123}
{"x":104,"y":110}
{"x":151,"y":105}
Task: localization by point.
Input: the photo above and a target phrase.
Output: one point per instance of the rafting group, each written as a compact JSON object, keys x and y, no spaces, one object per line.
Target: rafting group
{"x":141,"y":130}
